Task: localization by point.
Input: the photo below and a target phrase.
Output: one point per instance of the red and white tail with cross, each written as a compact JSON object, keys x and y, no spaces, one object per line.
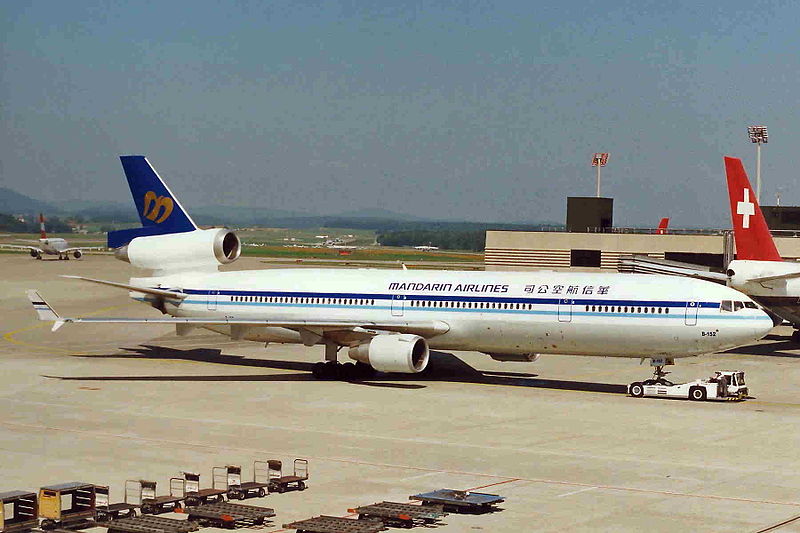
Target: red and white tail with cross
{"x":750,"y":230}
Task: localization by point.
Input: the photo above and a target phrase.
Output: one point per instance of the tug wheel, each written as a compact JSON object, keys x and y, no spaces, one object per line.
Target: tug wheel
{"x":698,"y":394}
{"x":637,"y":390}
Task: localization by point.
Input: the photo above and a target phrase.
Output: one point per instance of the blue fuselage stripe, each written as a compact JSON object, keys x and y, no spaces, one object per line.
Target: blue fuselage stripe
{"x":449,"y":298}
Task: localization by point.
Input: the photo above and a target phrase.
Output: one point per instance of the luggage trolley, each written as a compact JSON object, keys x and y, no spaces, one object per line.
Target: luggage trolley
{"x":400,"y":514}
{"x":142,"y":493}
{"x":228,"y":515}
{"x":230,"y":477}
{"x":460,"y":501}
{"x":111,"y":511}
{"x":19,"y":511}
{"x":67,"y":504}
{"x":188,"y":487}
{"x":280,"y":483}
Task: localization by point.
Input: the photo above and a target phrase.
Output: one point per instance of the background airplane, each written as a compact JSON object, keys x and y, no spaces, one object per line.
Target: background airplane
{"x":758,"y":270}
{"x":387,"y":320}
{"x":51,"y":245}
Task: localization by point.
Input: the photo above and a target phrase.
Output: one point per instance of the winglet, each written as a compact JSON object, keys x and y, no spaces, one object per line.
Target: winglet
{"x":44,"y":310}
{"x":750,"y":230}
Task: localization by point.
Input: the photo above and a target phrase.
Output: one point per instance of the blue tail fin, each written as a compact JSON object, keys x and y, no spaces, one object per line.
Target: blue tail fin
{"x":159,"y":209}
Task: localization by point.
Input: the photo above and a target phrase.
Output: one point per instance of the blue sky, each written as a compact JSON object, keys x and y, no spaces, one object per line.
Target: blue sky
{"x":451,"y":110}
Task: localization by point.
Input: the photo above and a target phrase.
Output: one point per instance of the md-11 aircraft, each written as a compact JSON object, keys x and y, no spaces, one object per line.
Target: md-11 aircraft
{"x":388,"y":320}
{"x":51,"y":245}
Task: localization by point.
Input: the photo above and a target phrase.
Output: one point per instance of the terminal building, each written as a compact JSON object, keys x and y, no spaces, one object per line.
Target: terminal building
{"x":590,"y":241}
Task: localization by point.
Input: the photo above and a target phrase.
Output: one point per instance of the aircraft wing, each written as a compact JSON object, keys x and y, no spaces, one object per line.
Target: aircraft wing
{"x":22,"y":247}
{"x":164,"y":293}
{"x":83,"y":248}
{"x":650,"y":265}
{"x":429,"y":328}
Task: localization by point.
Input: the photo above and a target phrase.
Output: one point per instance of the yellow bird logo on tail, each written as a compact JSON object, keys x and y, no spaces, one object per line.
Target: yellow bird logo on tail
{"x":153,"y":207}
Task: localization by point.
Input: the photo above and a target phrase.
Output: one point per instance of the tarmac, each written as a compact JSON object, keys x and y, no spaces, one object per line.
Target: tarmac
{"x":559,"y":438}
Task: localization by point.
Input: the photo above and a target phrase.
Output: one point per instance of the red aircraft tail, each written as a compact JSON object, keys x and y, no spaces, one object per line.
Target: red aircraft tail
{"x":42,"y":234}
{"x":662,"y":226}
{"x":753,"y":239}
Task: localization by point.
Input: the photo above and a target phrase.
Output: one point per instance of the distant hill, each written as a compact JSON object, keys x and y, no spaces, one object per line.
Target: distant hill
{"x":13,"y":203}
{"x":381,"y":220}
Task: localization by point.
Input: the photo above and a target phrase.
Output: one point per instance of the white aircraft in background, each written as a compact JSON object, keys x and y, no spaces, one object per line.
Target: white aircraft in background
{"x":428,"y":248}
{"x":51,"y":245}
{"x":388,"y":320}
{"x":758,"y":269}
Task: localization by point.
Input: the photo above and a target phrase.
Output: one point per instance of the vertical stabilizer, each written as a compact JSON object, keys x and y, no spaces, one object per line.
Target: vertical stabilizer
{"x":750,"y":230}
{"x":42,"y":233}
{"x":663,"y":226}
{"x":159,"y":210}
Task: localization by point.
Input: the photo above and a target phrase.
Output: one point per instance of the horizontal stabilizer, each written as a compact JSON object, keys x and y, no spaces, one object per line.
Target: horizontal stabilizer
{"x":778,"y":277}
{"x":144,"y":290}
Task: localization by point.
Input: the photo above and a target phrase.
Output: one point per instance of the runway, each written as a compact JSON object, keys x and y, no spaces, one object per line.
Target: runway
{"x":558,"y":438}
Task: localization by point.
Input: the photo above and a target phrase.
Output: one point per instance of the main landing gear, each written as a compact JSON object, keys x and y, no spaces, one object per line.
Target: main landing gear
{"x":332,"y":369}
{"x":796,"y":335}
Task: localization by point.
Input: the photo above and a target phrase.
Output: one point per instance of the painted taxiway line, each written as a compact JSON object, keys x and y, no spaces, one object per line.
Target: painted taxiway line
{"x":9,"y":336}
{"x":344,"y":460}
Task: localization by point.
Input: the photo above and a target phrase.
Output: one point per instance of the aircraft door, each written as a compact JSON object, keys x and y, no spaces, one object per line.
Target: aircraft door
{"x":691,"y":313}
{"x":565,"y":310}
{"x":398,"y":304}
{"x":212,"y":300}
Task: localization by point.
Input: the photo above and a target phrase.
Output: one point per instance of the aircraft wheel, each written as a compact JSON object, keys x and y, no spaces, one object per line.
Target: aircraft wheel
{"x":698,"y":394}
{"x":637,"y":390}
{"x":365,"y":371}
{"x":348,"y":372}
{"x":796,"y":335}
{"x":318,"y":370}
{"x":332,"y":370}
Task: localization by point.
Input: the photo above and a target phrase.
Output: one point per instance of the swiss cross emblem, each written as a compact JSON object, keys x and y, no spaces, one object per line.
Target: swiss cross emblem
{"x":746,"y":208}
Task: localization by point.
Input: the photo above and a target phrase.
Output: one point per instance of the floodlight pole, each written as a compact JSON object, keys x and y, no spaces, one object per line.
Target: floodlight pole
{"x":599,"y":160}
{"x":758,"y":136}
{"x":598,"y":181}
{"x":758,"y":172}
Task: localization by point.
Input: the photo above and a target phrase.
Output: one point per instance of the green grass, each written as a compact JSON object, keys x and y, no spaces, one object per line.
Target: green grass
{"x":366,"y":254}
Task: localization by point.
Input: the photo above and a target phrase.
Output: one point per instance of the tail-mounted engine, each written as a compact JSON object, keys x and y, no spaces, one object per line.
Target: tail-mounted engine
{"x":191,"y":250}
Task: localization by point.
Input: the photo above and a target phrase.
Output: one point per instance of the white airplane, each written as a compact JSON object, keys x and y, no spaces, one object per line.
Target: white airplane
{"x":758,"y":269}
{"x":51,"y":245}
{"x":388,"y":320}
{"x":428,"y":248}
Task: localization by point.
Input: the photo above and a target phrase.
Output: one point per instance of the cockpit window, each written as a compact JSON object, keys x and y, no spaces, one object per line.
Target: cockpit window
{"x":737,"y":306}
{"x":750,"y":305}
{"x":726,"y":306}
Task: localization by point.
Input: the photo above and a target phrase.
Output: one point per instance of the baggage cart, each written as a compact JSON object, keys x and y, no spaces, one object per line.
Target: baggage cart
{"x":230,"y":477}
{"x":400,"y":514}
{"x":228,"y":515}
{"x":111,"y":511}
{"x":335,"y":524}
{"x":460,"y":501}
{"x":280,"y":483}
{"x":142,"y":493}
{"x":150,"y":524}
{"x":19,"y":511}
{"x":189,"y":489}
{"x":67,"y":504}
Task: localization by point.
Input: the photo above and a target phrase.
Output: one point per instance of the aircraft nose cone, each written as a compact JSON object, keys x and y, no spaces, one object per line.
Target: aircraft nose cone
{"x":763,"y":325}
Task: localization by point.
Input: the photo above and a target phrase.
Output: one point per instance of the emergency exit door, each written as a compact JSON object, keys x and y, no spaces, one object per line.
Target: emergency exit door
{"x":565,"y":310}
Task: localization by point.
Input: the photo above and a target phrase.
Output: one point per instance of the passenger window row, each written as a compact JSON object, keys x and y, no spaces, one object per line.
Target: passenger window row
{"x":297,"y":300}
{"x":627,"y":309}
{"x":471,"y":305}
